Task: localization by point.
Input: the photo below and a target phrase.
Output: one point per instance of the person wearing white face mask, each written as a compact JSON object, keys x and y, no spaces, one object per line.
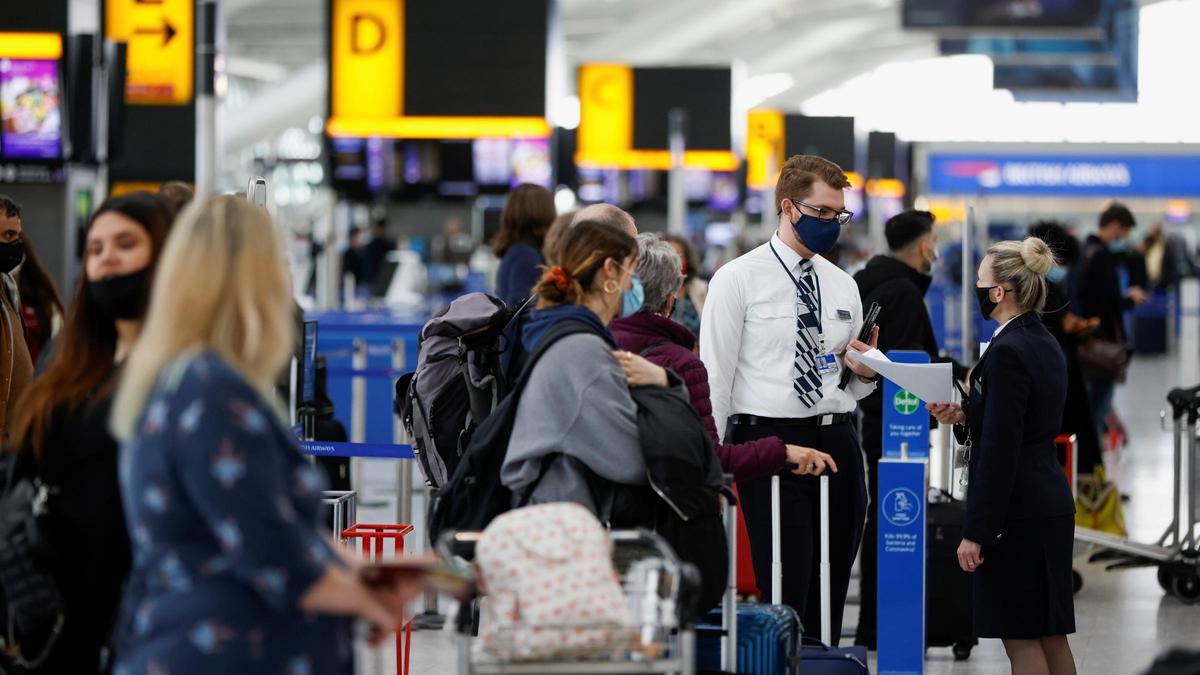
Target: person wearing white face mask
{"x":898,"y":282}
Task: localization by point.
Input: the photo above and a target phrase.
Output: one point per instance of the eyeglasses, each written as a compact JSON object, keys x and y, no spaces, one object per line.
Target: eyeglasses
{"x":842,"y":216}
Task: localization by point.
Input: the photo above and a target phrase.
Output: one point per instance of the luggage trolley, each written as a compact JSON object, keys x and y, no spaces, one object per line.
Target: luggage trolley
{"x":1175,"y":554}
{"x":661,"y":640}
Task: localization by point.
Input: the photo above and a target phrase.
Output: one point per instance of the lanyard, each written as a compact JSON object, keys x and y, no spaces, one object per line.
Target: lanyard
{"x":804,"y":294}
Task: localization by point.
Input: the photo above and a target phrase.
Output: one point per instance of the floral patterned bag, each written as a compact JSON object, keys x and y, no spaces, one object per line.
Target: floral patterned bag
{"x":551,"y":589}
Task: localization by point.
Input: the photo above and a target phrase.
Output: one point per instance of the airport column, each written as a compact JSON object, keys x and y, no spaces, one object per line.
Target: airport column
{"x":676,"y":190}
{"x":900,"y":504}
{"x":206,"y":100}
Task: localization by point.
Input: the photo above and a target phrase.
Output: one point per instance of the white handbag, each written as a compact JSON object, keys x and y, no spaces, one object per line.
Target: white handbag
{"x":552,"y":591}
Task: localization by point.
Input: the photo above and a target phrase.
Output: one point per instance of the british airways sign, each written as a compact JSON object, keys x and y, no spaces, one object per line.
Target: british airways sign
{"x":1069,"y":176}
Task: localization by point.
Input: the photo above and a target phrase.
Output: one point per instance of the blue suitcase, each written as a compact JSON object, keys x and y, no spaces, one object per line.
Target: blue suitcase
{"x":821,"y":659}
{"x":816,"y":655}
{"x":767,"y":638}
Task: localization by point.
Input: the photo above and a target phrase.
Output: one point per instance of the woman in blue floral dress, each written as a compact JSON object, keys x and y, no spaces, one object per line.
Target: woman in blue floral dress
{"x":230,"y":573}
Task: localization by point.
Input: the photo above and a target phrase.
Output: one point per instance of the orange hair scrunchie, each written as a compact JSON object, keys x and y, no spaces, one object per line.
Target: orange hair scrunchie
{"x":562,"y":280}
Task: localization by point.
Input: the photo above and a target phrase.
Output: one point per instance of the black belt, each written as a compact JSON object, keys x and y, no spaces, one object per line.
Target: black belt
{"x":816,"y":421}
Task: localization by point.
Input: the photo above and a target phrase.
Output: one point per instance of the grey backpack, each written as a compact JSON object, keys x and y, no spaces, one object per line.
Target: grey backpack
{"x":460,"y":377}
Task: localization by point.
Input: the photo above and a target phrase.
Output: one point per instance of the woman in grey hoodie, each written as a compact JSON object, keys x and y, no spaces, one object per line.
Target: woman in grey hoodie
{"x":576,"y":418}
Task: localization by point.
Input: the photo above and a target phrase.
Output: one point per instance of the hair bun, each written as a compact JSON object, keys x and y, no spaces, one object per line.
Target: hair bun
{"x":1037,"y":256}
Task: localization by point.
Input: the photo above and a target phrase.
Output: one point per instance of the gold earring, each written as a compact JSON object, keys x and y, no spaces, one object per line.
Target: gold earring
{"x":614,"y":287}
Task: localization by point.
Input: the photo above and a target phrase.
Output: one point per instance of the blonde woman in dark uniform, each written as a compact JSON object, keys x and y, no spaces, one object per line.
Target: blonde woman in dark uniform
{"x":1020,"y":527}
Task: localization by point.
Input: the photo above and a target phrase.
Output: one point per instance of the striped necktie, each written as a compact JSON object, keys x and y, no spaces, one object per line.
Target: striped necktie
{"x":808,"y":341}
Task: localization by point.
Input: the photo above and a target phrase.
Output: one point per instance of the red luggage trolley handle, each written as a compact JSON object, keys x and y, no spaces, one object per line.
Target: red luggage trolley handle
{"x":374,"y":538}
{"x":1068,"y":442}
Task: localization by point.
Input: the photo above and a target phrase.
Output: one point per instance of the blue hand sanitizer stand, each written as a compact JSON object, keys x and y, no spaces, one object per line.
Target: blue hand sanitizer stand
{"x":903,"y":486}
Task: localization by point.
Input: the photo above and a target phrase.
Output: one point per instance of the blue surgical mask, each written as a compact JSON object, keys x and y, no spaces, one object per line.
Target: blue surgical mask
{"x":1118,"y":245}
{"x":818,"y":236}
{"x":1056,"y":274}
{"x":632,"y":299}
{"x":933,"y":264}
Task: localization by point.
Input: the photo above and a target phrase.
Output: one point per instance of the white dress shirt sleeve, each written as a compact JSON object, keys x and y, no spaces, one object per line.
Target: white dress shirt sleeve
{"x":857,"y":388}
{"x":721,"y":340}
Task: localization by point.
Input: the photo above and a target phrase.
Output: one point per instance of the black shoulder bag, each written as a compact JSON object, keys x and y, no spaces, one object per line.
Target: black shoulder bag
{"x":32,"y":606}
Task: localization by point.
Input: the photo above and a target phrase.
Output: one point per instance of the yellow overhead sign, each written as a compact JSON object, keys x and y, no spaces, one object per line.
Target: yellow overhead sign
{"x":43,"y":46}
{"x":368,"y":59}
{"x":885,"y":187}
{"x":367,"y":82}
{"x":764,"y":145}
{"x":605,"y":136}
{"x":162,"y":46}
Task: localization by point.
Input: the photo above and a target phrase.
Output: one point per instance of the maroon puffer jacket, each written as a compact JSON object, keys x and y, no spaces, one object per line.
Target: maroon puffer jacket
{"x":668,"y":344}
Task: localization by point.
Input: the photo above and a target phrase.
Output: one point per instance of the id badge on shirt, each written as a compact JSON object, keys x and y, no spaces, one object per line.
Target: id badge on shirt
{"x":827,"y":364}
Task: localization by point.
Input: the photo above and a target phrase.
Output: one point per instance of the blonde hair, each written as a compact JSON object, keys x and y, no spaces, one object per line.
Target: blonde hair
{"x":1023,"y":265}
{"x":222,"y":286}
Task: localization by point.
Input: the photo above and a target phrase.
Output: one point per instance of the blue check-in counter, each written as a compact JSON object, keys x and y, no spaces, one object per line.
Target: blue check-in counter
{"x":389,"y":341}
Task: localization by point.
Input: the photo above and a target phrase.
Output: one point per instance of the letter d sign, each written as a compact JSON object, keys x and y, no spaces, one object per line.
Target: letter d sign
{"x":368,"y":34}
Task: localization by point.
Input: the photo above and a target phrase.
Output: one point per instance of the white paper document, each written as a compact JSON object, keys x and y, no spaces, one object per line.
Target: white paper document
{"x":930,"y":382}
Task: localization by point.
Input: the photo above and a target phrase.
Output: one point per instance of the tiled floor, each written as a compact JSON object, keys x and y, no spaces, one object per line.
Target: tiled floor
{"x":1124,"y":620}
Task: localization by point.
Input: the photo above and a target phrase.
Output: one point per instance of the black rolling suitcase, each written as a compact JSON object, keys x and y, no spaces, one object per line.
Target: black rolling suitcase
{"x":949,"y":619}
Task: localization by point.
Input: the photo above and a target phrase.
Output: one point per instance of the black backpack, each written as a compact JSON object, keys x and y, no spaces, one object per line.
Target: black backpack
{"x":474,"y":495}
{"x":459,"y":379}
{"x":685,"y":474}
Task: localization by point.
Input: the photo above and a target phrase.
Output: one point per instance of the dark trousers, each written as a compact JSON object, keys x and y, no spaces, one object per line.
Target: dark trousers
{"x":800,"y":527}
{"x":868,"y":564}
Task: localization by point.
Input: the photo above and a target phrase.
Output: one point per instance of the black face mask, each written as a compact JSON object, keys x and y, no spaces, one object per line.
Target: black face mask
{"x":12,"y":255}
{"x":121,"y":297}
{"x":983,"y":295}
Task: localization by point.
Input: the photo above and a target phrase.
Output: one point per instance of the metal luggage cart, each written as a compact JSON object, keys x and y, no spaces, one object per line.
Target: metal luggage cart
{"x":661,"y":640}
{"x":1176,"y":553}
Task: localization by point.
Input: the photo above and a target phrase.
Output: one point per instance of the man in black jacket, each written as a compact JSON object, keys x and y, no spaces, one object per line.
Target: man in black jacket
{"x":1099,"y":294}
{"x":898,"y":282}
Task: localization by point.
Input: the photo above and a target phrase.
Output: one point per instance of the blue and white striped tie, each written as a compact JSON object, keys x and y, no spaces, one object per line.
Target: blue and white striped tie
{"x":808,"y":340}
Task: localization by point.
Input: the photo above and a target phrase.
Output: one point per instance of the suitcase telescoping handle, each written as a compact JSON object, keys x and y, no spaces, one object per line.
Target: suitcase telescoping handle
{"x":826,"y":599}
{"x":777,"y":558}
{"x":776,"y":547}
{"x":729,"y":636}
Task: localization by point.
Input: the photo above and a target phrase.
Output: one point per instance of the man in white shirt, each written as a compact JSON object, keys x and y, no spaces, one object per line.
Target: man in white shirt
{"x":774,"y":334}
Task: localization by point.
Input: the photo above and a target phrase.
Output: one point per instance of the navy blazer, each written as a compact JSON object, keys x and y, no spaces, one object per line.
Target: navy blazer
{"x":1014,"y":412}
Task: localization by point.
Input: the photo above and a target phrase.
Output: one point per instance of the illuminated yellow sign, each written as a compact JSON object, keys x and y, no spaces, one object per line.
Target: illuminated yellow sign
{"x":122,"y":188}
{"x":161,"y":56}
{"x":47,"y":46}
{"x":764,"y":145}
{"x":367,"y":82}
{"x":946,"y":212}
{"x":368,"y":59}
{"x":605,"y":136}
{"x":885,"y":187}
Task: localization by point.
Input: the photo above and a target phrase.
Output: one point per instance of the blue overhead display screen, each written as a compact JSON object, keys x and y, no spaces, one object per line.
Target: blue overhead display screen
{"x":937,"y":14}
{"x":1071,"y":175}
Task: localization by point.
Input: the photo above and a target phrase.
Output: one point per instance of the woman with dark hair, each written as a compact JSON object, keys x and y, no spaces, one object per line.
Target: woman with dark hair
{"x":689,"y":304}
{"x":526,"y":218}
{"x":60,"y":427}
{"x":41,"y":306}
